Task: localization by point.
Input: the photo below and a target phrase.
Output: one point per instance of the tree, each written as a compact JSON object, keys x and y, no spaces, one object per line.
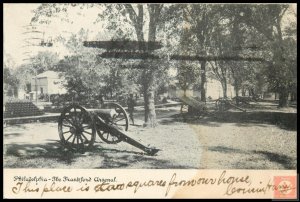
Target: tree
{"x":81,"y":68}
{"x":200,"y":20}
{"x":10,"y":82}
{"x":187,"y":76}
{"x":44,"y":61}
{"x":267,"y":20}
{"x":231,"y":38}
{"x":137,"y":20}
{"x":222,"y":45}
{"x":134,"y":15}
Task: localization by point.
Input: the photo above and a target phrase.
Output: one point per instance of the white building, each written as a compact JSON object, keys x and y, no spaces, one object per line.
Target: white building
{"x":213,"y":89}
{"x":48,"y":82}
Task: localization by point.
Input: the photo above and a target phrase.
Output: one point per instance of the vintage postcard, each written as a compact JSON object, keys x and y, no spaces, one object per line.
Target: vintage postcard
{"x":150,"y":101}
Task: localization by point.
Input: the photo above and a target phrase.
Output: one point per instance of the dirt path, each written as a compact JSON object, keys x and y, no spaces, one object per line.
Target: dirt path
{"x":247,"y":147}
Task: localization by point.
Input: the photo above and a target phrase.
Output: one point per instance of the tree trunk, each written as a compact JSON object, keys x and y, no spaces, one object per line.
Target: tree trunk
{"x":243,"y":91}
{"x":283,"y":98}
{"x":236,"y":88}
{"x":203,"y":81}
{"x":224,"y":86}
{"x":150,"y":114}
{"x":148,"y":90}
{"x":147,"y":75}
{"x":293,"y":96}
{"x":146,"y":103}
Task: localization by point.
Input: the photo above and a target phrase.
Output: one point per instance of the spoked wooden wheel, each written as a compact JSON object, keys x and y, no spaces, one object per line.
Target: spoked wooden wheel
{"x":76,"y":128}
{"x":119,"y":120}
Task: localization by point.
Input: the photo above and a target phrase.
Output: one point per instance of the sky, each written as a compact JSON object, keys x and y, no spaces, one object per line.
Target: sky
{"x":15,"y":16}
{"x":18,"y":15}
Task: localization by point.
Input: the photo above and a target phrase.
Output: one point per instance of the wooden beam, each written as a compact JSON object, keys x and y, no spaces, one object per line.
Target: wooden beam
{"x":145,"y":55}
{"x":123,"y":45}
{"x":216,"y":58}
{"x":129,"y":55}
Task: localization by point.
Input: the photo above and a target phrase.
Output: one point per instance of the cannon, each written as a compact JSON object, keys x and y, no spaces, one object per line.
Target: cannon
{"x":223,"y":104}
{"x":193,"y":106}
{"x":77,"y":127}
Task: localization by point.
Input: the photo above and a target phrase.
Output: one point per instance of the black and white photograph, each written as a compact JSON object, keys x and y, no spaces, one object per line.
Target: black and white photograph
{"x":150,"y":86}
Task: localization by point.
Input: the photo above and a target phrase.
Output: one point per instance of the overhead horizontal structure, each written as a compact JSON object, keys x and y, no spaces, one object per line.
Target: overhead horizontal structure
{"x":142,"y":50}
{"x":216,"y":58}
{"x":129,"y":55}
{"x":124,"y":45}
{"x":143,"y":55}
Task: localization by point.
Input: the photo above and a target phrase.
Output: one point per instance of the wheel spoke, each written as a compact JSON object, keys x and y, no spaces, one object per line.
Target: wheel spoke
{"x":85,"y":137}
{"x":88,"y":126}
{"x":77,"y":145}
{"x":69,"y":121}
{"x":69,"y":137}
{"x":72,"y":118}
{"x":76,"y":128}
{"x":81,"y":141}
{"x":73,"y":141}
{"x":87,"y":132}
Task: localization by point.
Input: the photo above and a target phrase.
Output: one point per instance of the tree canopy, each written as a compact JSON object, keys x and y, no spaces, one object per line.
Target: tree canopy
{"x":203,"y":31}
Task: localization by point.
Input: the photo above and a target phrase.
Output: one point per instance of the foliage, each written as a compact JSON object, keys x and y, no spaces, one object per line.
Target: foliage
{"x":252,"y":30}
{"x":44,"y":61}
{"x":9,"y":78}
{"x":280,"y":72}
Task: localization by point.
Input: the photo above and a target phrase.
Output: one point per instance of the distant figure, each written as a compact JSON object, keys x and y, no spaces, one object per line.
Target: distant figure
{"x":101,"y":100}
{"x":131,"y":103}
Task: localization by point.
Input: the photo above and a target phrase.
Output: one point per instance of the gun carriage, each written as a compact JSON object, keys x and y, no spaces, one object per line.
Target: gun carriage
{"x":77,"y":127}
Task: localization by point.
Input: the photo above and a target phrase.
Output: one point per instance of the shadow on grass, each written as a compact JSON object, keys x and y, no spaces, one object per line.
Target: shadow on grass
{"x":189,"y":120}
{"x":287,"y":121}
{"x":30,"y":151}
{"x":12,"y":135}
{"x":123,"y":159}
{"x":53,"y":151}
{"x":284,"y":160}
{"x":226,"y":150}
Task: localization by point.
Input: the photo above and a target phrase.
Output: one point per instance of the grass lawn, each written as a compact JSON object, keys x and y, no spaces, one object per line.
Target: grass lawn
{"x":262,"y":138}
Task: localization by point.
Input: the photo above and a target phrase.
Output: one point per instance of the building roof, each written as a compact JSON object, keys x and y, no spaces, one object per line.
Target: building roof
{"x":48,"y":74}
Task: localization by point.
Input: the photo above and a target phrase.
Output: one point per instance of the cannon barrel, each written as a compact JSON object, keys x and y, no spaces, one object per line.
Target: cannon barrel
{"x":77,"y":127}
{"x":121,"y":135}
{"x":103,"y":112}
